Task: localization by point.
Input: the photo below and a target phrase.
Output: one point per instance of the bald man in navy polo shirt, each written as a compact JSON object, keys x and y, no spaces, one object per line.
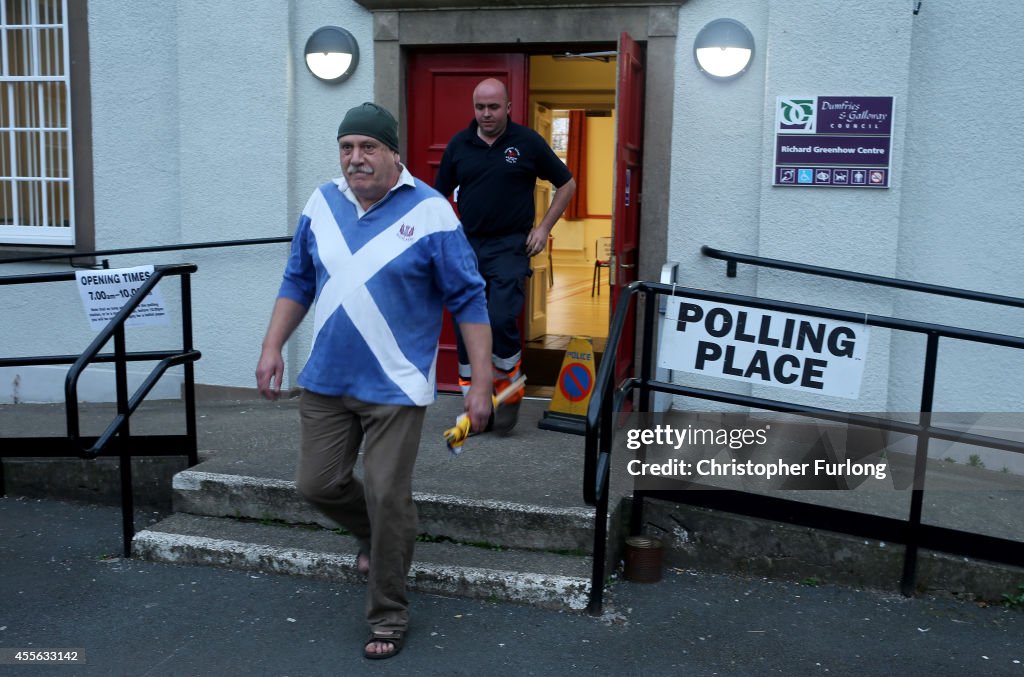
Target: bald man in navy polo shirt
{"x":492,"y":167}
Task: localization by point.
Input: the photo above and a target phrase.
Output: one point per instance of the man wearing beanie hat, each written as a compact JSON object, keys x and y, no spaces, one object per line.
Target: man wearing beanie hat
{"x":381,"y":254}
{"x":371,"y":120}
{"x":494,"y":165}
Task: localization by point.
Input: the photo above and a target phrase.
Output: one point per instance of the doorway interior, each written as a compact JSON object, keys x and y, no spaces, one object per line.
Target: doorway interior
{"x":571,"y":99}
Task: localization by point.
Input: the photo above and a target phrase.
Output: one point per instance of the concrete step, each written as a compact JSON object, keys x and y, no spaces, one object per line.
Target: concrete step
{"x":529,"y":577}
{"x":467,"y":520}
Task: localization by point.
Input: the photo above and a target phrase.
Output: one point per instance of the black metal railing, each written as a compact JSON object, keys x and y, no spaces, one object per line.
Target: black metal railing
{"x":608,"y":397}
{"x":71,"y":256}
{"x":732,"y":258}
{"x":117,"y":439}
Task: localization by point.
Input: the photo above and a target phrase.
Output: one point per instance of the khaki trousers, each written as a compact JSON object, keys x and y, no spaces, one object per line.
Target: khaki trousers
{"x":379,"y":510}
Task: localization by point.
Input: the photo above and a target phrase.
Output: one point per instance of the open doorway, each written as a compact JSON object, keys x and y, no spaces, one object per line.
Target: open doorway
{"x":585,"y":86}
{"x":572,"y":104}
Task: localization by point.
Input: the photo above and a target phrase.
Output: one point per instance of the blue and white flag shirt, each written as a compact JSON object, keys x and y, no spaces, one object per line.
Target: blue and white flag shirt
{"x":380,"y":279}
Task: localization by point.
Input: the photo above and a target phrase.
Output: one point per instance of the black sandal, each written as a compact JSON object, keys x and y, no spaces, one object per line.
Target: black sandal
{"x":396,"y":638}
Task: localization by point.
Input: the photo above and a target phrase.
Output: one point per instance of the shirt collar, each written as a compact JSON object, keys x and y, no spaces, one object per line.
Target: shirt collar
{"x":475,"y":137}
{"x":404,"y":179}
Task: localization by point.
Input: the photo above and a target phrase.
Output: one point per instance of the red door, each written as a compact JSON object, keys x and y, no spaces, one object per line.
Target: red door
{"x":629,"y":93}
{"x":440,"y":101}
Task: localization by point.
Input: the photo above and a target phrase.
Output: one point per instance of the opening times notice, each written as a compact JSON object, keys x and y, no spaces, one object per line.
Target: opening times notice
{"x":104,"y":293}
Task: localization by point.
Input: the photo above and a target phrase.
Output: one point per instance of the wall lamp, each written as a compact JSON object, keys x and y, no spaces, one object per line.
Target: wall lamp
{"x":332,"y":54}
{"x":723,"y":49}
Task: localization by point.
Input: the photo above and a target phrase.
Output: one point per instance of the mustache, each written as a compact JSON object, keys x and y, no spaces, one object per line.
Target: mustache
{"x":353,"y":169}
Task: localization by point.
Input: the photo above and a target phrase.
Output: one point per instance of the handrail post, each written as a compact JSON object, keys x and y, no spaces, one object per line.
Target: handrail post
{"x":600,"y":548}
{"x":599,"y":432}
{"x":600,"y":552}
{"x":909,"y":580}
{"x":647,"y":349}
{"x":124,"y":439}
{"x":190,"y":377}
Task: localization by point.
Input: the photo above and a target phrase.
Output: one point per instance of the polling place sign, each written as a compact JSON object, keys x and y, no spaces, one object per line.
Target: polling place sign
{"x":763,"y":347}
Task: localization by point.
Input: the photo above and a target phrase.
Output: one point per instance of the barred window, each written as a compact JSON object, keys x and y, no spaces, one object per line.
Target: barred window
{"x":36,"y":177}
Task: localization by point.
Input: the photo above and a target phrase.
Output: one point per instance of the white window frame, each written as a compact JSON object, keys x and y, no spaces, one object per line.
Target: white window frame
{"x":23,"y":230}
{"x":560,"y":114}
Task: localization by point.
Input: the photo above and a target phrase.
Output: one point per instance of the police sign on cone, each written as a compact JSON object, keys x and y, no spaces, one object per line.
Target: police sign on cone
{"x":568,"y":410}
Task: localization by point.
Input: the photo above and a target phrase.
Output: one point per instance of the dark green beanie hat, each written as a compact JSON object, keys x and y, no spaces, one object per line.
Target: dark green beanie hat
{"x":371,"y":120}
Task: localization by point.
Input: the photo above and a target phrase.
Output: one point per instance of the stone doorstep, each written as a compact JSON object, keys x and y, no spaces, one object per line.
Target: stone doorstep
{"x":457,"y":518}
{"x":527,"y":577}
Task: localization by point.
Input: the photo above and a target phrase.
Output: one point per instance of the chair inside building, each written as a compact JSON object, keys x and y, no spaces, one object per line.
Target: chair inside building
{"x":602,"y":259}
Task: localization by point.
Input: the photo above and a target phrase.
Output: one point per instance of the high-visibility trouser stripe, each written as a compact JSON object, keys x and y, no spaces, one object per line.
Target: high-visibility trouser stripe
{"x":504,"y":373}
{"x":508,"y":364}
{"x":503,"y":378}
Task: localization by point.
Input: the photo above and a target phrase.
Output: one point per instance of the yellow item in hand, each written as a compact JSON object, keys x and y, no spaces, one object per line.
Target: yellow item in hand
{"x":454,"y":437}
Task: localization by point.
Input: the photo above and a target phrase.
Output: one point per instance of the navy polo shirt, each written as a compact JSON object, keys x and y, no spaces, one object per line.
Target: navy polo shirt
{"x":496,"y":182}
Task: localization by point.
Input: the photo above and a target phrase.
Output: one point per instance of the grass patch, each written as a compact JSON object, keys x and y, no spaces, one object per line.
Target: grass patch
{"x":1015,"y":601}
{"x":572,"y":552}
{"x":484,"y":545}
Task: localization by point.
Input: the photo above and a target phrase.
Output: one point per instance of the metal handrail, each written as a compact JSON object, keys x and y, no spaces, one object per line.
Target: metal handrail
{"x":89,"y":447}
{"x":732,"y":258}
{"x":607,"y":396}
{"x":595,"y":410}
{"x":115,"y":329}
{"x":144,"y":250}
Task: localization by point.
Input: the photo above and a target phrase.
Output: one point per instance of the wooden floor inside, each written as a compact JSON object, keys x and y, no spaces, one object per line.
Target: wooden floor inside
{"x":576,"y":306}
{"x":572,"y":311}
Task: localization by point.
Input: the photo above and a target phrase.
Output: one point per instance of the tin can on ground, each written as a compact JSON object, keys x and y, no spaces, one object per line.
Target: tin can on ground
{"x":643,"y":559}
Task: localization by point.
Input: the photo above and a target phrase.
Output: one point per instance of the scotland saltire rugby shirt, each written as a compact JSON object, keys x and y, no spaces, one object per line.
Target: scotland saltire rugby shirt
{"x":380,"y":280}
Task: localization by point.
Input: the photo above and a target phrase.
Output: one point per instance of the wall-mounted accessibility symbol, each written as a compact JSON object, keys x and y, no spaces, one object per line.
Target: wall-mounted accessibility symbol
{"x":805,"y":176}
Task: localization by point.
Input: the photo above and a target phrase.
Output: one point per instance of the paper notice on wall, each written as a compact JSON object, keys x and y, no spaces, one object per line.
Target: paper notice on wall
{"x":104,"y":293}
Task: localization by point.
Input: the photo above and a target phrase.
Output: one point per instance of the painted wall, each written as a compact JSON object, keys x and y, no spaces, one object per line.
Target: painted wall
{"x":962,"y":197}
{"x":582,"y":83}
{"x":198,"y":137}
{"x":600,"y":176}
{"x":578,"y":236}
{"x":948,"y":218}
{"x":205,"y":128}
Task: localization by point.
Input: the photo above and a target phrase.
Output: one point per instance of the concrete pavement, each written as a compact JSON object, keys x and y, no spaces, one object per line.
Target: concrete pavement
{"x":63,"y":586}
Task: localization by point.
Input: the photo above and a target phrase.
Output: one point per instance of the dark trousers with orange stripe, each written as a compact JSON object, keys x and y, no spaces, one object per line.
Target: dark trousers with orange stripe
{"x":504,"y":265}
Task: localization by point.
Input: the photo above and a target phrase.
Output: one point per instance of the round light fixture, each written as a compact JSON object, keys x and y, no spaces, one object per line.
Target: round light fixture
{"x":723,"y":49}
{"x":332,"y":54}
